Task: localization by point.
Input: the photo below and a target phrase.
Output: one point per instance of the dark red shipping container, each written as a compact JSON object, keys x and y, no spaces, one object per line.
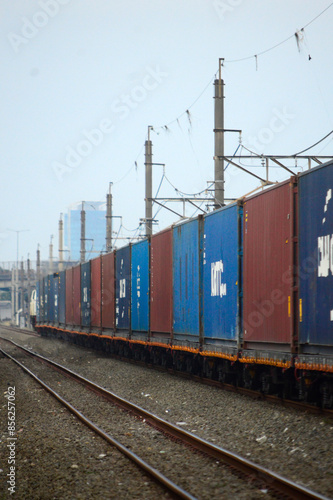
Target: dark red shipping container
{"x":69,"y":297}
{"x":77,"y":295}
{"x":96,"y":292}
{"x":161,"y":316}
{"x":108,"y":291}
{"x":269,"y":286}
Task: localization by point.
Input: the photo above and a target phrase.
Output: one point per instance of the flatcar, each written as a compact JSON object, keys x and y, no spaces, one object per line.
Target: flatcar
{"x":243,"y":294}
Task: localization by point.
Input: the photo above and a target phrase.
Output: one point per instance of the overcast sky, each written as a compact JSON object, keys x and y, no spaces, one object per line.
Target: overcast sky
{"x":82,"y":80}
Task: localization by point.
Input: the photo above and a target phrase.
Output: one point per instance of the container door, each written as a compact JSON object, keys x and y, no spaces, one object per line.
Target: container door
{"x":140,"y":286}
{"x":123,"y":288}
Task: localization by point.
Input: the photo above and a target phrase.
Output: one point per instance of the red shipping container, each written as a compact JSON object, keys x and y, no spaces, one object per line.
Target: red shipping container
{"x":161,"y":315}
{"x":269,"y":281}
{"x":96,"y":292}
{"x":69,"y":297}
{"x":108,"y":291}
{"x":77,"y":295}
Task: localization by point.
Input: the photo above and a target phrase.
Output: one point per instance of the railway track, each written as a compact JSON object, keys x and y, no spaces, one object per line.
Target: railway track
{"x":17,"y":329}
{"x":264,"y":478}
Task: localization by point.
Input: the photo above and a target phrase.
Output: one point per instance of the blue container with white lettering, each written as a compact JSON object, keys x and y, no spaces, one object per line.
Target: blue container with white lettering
{"x":62,"y":298}
{"x":140,"y":286}
{"x":123,"y":288}
{"x":315,"y":190}
{"x":85,"y":294}
{"x":187,"y":282}
{"x":222,"y":276}
{"x":45,"y":297}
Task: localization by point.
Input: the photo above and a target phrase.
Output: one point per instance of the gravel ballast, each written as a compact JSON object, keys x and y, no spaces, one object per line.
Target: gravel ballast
{"x":293,"y":444}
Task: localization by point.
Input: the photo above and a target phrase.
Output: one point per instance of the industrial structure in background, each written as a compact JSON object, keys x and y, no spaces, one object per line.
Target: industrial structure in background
{"x":85,"y":230}
{"x":95,"y":213}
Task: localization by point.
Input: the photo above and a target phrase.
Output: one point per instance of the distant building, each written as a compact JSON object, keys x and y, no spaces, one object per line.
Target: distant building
{"x":95,"y":229}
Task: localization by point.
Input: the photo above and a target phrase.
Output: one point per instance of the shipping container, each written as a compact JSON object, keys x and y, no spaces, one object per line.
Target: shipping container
{"x":96,"y":292}
{"x":46,"y":301}
{"x":123,"y":288}
{"x":77,"y":295}
{"x":50,"y":298}
{"x":53,"y":284}
{"x":269,"y":285}
{"x":161,"y":283}
{"x":69,"y":297}
{"x":62,"y":298}
{"x":108,"y":291}
{"x":39,"y":302}
{"x":222,"y":278}
{"x":140,"y":286}
{"x":187,"y":280}
{"x":85,"y":294}
{"x":316,"y":260}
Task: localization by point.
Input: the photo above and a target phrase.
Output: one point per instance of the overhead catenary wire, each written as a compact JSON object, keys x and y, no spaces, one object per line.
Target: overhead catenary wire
{"x":279,"y":43}
{"x":313,"y":145}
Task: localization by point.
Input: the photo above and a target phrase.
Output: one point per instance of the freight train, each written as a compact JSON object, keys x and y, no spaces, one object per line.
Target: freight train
{"x":243,"y":294}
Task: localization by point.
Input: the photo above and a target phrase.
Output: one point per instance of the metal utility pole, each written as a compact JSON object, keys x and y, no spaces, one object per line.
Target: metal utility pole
{"x":83,"y":234}
{"x":61,"y":244}
{"x":38,"y":264}
{"x":149,"y":184}
{"x":109,"y":220}
{"x":17,"y":242}
{"x":22,"y":301}
{"x":51,"y":255}
{"x":14,"y":302}
{"x":28,"y":283}
{"x":219,"y":139}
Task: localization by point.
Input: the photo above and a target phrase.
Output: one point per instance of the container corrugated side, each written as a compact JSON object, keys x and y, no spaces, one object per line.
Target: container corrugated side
{"x":50,"y":299}
{"x":69,"y":297}
{"x":96,"y":292}
{"x":39,"y":301}
{"x":62,"y":298}
{"x":161,"y":283}
{"x":77,"y":295}
{"x":269,"y":235}
{"x":46,"y":297}
{"x":85,"y":294}
{"x":187,"y":283}
{"x":222,"y":280}
{"x":55,"y":298}
{"x":316,"y":260}
{"x":140,"y":286}
{"x":108,"y":291}
{"x":123,"y":288}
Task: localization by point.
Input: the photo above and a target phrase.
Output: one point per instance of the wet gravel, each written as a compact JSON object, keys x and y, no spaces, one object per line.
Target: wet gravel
{"x":294,"y":444}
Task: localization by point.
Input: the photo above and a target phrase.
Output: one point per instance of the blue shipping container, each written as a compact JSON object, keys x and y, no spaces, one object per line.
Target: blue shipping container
{"x":46,"y":302}
{"x":187,"y":272}
{"x":62,"y":298}
{"x":222,"y":275}
{"x":39,"y":301}
{"x":316,"y":258}
{"x":85,"y":294}
{"x":123,"y":288}
{"x":140,"y":286}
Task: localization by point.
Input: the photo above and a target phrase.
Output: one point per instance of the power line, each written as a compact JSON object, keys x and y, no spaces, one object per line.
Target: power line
{"x":313,"y":145}
{"x":280,"y":43}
